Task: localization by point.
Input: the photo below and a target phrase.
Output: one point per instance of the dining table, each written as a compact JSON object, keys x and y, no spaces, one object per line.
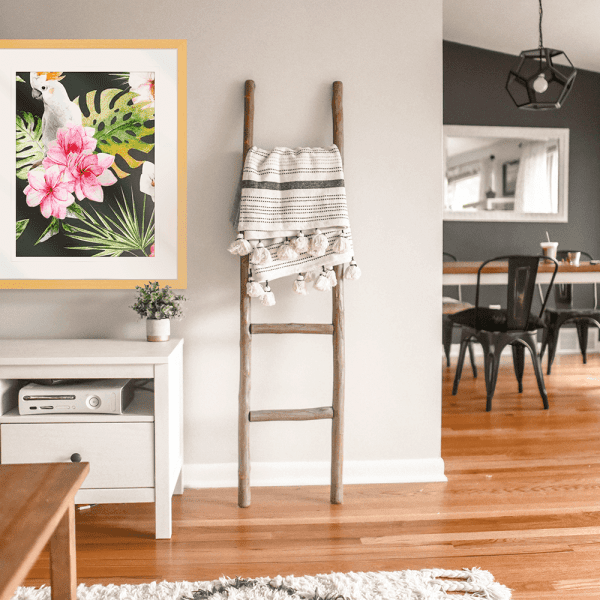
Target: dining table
{"x":496,"y":273}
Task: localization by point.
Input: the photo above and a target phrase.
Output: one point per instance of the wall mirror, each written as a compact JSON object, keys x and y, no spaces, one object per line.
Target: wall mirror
{"x":506,"y":173}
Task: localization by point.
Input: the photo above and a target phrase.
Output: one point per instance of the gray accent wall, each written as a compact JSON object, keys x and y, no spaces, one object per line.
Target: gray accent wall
{"x":474,"y":94}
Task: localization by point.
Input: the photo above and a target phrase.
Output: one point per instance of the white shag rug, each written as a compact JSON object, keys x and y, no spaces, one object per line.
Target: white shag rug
{"x":428,"y":584}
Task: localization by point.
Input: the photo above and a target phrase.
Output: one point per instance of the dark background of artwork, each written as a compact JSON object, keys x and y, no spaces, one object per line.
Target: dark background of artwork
{"x":77,"y":85}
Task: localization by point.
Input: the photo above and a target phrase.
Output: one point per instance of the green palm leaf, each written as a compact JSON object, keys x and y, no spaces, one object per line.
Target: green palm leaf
{"x":21,"y":227}
{"x":120,"y":125}
{"x":30,"y":149}
{"x":113,"y":235}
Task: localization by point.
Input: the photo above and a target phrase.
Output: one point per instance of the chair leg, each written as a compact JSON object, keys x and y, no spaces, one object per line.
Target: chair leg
{"x":582,"y":334}
{"x":545,"y":335}
{"x":491,"y":358}
{"x":447,"y":326}
{"x":537,"y":367}
{"x":518,"y":352}
{"x":552,"y":344}
{"x":459,"y":364}
{"x":472,"y":357}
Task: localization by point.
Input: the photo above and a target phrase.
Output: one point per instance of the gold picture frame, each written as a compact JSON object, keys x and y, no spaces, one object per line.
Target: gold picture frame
{"x":166,"y":62}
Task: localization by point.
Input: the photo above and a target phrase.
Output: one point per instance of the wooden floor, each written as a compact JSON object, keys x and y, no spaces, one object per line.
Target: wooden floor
{"x":522,"y":501}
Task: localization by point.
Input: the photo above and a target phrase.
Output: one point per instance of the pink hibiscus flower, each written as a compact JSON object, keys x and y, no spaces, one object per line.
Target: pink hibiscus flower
{"x":87,"y":173}
{"x":152,"y":250}
{"x":49,"y":191}
{"x":72,"y":139}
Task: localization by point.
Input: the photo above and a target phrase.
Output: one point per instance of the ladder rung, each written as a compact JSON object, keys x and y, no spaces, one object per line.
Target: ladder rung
{"x":302,"y":414}
{"x":291,"y":328}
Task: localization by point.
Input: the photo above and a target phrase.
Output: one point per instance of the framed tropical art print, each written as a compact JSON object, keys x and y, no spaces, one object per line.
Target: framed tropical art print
{"x":93,"y":169}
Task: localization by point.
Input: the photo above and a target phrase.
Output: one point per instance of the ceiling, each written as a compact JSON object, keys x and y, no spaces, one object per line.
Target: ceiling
{"x":510,"y":26}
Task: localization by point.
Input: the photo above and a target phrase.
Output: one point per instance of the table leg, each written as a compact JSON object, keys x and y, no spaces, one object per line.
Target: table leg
{"x":63,"y":566}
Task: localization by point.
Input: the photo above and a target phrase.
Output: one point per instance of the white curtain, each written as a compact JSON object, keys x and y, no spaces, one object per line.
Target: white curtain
{"x":533,"y":194}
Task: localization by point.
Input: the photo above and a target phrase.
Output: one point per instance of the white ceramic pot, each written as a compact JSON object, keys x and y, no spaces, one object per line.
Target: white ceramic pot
{"x":158,"y":330}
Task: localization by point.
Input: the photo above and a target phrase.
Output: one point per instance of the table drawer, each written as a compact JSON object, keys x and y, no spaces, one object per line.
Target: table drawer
{"x":121,"y":455}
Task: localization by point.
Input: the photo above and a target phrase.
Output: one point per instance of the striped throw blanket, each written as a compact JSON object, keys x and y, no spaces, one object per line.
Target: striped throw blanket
{"x":290,"y":192}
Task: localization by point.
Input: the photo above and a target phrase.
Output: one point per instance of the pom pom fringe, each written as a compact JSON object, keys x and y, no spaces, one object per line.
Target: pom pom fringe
{"x":299,"y":286}
{"x":268,"y":298}
{"x":352,"y":271}
{"x":261,"y":255}
{"x":286,"y":252}
{"x":341,"y":245}
{"x":240,"y":246}
{"x":254,"y":289}
{"x":330,"y":274}
{"x":300,"y":244}
{"x":311,"y":275}
{"x":318,"y":244}
{"x":322,"y":284}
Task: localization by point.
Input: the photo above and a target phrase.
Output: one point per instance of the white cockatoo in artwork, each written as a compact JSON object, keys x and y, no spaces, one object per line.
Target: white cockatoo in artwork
{"x":58,"y":108}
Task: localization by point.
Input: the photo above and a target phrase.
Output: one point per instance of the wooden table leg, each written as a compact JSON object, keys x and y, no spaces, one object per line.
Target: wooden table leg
{"x":63,"y":566}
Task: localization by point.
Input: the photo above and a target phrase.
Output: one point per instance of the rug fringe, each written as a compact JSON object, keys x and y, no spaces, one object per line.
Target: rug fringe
{"x":427,"y":584}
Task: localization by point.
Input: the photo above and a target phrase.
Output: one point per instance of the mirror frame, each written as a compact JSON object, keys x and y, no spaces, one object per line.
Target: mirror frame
{"x":527,"y":133}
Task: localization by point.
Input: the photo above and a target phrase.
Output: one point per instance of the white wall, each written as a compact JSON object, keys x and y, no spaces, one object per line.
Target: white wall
{"x":389,"y":57}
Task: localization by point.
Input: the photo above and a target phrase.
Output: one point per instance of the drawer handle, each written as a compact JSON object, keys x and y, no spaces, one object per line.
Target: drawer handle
{"x":76,"y":457}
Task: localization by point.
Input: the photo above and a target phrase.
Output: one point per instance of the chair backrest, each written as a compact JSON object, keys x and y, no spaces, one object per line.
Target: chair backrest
{"x":563,"y":292}
{"x":522,"y":273}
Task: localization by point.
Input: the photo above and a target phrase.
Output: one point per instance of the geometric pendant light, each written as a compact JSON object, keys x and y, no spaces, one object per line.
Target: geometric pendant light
{"x":538,"y":82}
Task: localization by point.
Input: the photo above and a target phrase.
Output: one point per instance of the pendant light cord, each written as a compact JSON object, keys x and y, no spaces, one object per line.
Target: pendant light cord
{"x":541,"y":15}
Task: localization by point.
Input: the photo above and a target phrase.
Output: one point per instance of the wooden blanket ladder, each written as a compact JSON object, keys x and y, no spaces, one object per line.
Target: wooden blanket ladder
{"x":335,"y":412}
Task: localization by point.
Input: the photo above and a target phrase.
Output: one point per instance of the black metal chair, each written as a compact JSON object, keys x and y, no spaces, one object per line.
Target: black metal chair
{"x":564,"y":312}
{"x":495,"y":329}
{"x":449,"y":307}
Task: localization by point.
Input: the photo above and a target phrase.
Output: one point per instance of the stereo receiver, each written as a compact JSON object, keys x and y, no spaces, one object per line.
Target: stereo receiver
{"x":107,"y":396}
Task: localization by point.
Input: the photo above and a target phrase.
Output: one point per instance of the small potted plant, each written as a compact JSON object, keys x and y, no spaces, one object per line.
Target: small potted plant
{"x":158,"y":305}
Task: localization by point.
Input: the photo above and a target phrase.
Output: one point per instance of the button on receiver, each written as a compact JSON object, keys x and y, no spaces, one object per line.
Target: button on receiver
{"x":93,"y":401}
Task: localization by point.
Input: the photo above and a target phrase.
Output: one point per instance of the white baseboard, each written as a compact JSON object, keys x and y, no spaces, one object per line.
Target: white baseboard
{"x":316,"y":473}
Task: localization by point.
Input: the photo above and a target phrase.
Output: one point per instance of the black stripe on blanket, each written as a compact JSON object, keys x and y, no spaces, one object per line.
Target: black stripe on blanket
{"x":292,"y":185}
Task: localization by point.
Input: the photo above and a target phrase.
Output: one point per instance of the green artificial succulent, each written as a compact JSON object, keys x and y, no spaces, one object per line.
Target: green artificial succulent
{"x":154,"y":302}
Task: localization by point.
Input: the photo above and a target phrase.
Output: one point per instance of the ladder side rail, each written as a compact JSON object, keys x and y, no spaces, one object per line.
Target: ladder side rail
{"x":337,"y":426}
{"x":245,"y":335}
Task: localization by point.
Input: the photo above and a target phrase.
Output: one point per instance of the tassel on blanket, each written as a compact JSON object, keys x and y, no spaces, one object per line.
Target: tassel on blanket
{"x":341,"y":244}
{"x":240,"y":246}
{"x":299,"y":286}
{"x":330,"y":274}
{"x":322,"y":284}
{"x":300,"y":244}
{"x":268,"y":298}
{"x":254,"y":289}
{"x":318,"y":244}
{"x":311,"y":275}
{"x":352,"y":271}
{"x":261,"y":255}
{"x":286,"y":252}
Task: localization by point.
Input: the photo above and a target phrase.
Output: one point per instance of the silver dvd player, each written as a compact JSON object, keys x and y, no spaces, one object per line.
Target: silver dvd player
{"x":107,"y":396}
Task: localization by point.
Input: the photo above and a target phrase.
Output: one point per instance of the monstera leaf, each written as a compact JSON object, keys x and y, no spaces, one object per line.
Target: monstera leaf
{"x":30,"y":149}
{"x":120,"y":125}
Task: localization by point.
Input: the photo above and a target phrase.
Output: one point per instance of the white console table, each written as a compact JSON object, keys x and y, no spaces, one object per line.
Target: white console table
{"x":134,"y":457}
